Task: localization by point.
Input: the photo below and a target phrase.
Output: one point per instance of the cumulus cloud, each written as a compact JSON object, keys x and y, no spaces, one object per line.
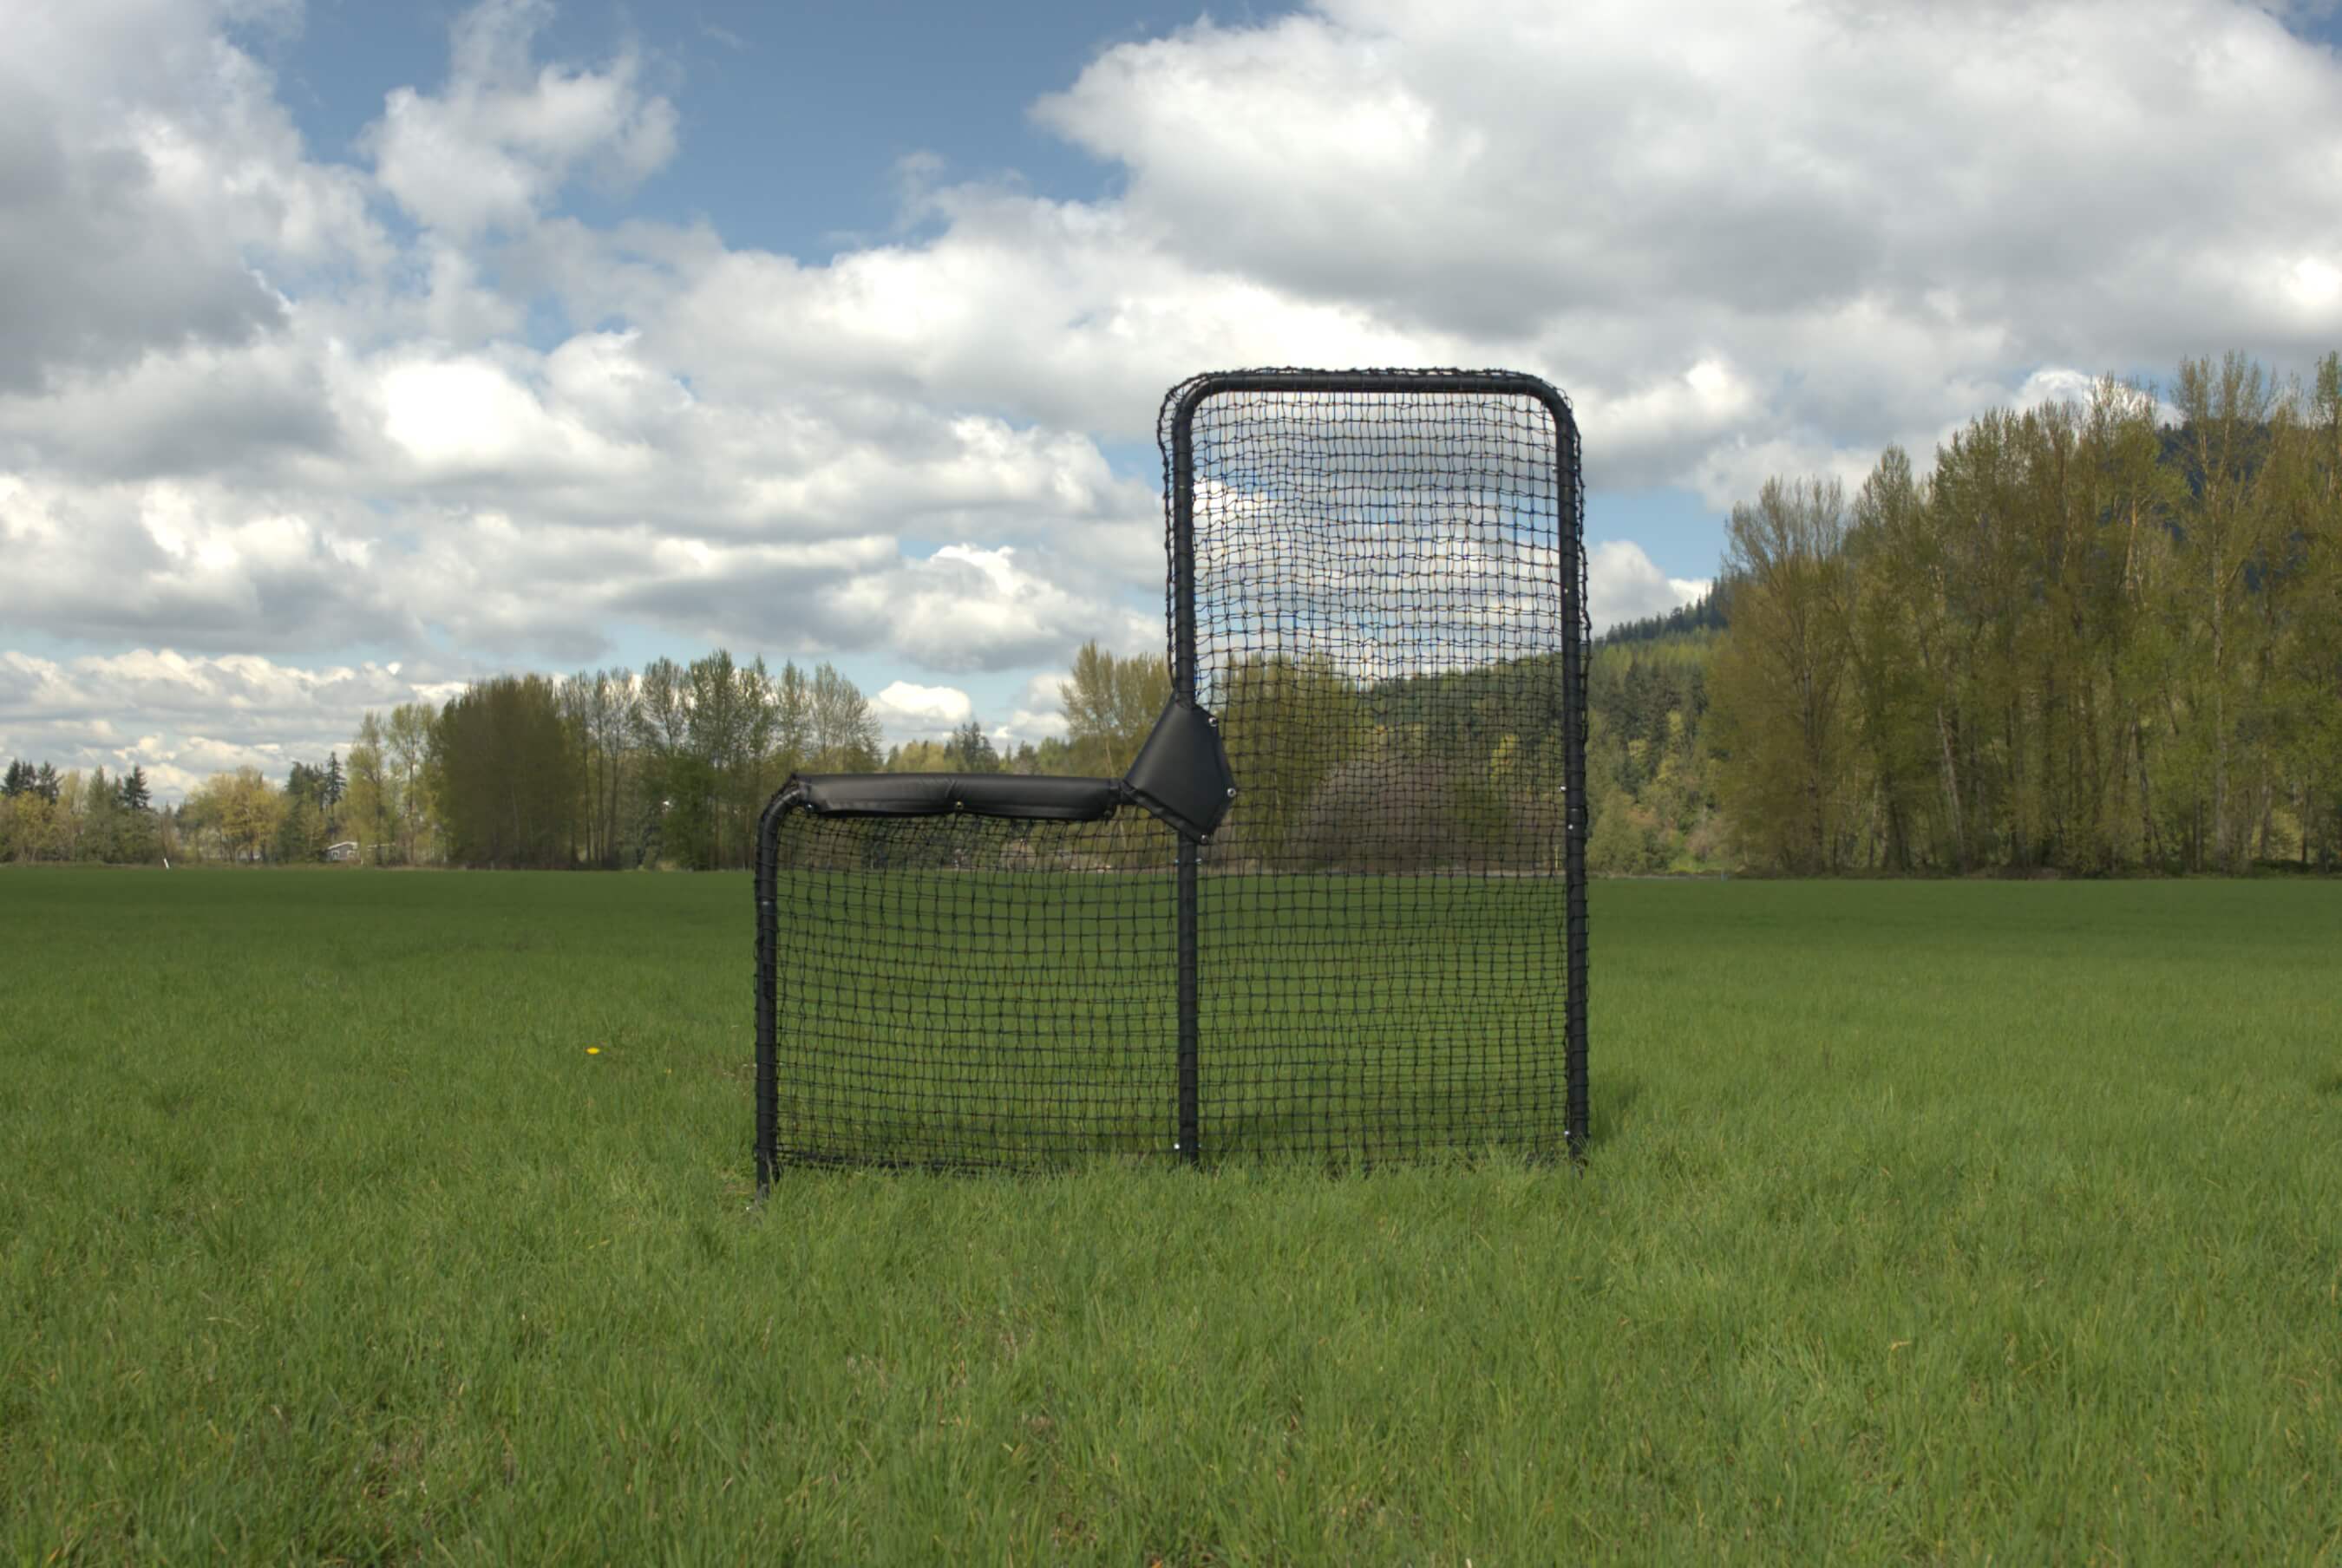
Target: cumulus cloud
{"x":1623,"y":584}
{"x":1804,"y":235}
{"x":1808,"y":199}
{"x":144,"y":167}
{"x":970,"y":608}
{"x":906,"y":712}
{"x":181,"y":718}
{"x":193,"y":562}
{"x":154,"y":278}
{"x":1040,"y":710}
{"x":507,"y":134}
{"x":204,"y":409}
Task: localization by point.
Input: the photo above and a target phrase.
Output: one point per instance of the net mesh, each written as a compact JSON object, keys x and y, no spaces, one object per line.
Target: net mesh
{"x":961,"y":991}
{"x":1379,"y":593}
{"x":1382,"y":608}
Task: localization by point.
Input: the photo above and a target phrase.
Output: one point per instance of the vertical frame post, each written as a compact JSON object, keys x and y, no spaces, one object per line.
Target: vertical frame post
{"x":1190,"y":1120}
{"x":1183,"y":690}
{"x":768,"y":1084}
{"x":1576,"y":626}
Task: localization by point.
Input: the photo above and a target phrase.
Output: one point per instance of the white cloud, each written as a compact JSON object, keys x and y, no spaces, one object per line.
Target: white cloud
{"x":150,"y":177}
{"x":912,"y":712}
{"x":2315,"y":287}
{"x":969,"y":608}
{"x":1040,"y":710}
{"x":1623,"y":584}
{"x":507,"y":134}
{"x":193,"y":561}
{"x":1829,"y":243}
{"x":190,"y":716}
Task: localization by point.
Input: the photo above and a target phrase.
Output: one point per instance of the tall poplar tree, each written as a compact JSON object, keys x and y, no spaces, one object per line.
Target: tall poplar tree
{"x":1781,"y":680}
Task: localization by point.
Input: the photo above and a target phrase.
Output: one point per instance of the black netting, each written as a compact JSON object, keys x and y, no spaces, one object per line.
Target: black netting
{"x":1383,"y":621}
{"x":963,"y":991}
{"x":1377,"y":590}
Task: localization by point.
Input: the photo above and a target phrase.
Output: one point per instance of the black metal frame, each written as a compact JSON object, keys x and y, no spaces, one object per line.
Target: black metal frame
{"x":1182,"y":404}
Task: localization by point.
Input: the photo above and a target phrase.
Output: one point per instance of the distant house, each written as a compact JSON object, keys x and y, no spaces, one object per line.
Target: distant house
{"x":345,"y":850}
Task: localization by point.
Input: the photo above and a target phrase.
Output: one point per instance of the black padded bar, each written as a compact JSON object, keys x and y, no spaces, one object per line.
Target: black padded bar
{"x":1030,"y":797}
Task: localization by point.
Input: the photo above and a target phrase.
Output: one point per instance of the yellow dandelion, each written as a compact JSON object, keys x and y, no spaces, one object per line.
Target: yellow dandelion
{"x":593,"y":1050}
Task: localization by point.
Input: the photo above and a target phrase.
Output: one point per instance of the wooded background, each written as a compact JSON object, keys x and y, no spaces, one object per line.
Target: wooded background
{"x":2095,"y":636}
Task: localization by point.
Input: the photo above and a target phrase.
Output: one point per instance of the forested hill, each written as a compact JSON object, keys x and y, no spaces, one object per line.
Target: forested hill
{"x":1706,"y":613}
{"x":1649,"y":772}
{"x":1650,"y":775}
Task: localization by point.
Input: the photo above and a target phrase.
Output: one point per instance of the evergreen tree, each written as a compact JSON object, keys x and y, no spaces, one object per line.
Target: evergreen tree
{"x":301,"y":825}
{"x":332,"y":784}
{"x":101,"y":819}
{"x":136,"y":829}
{"x":45,"y":783}
{"x":970,"y":751}
{"x":19,"y":780}
{"x":1703,"y":613}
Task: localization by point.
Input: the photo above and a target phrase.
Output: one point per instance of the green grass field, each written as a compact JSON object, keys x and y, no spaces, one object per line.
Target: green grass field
{"x":1957,"y":1223}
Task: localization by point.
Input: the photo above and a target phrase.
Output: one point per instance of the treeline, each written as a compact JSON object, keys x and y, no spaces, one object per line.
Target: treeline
{"x":602,"y":768}
{"x":2090,"y":639}
{"x":616,"y":768}
{"x":2084,"y":640}
{"x":244,"y":816}
{"x":1110,"y":704}
{"x":45,"y":815}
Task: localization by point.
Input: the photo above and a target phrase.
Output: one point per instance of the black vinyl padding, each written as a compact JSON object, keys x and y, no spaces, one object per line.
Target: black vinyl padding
{"x":1037,"y":797}
{"x":1181,"y":773}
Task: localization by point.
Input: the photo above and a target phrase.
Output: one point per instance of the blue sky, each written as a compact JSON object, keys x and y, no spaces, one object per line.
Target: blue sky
{"x":348,"y":351}
{"x":794,"y":117}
